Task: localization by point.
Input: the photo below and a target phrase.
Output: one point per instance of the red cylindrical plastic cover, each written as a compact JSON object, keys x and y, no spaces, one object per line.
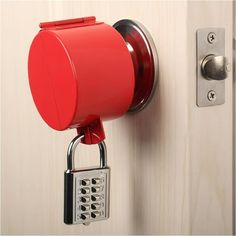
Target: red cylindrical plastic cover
{"x":79,"y":73}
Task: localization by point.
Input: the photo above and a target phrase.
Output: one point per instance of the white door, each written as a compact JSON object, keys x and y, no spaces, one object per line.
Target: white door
{"x":172,"y":163}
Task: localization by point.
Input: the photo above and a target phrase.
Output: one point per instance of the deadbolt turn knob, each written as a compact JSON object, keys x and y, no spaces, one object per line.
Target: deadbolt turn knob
{"x":215,"y":67}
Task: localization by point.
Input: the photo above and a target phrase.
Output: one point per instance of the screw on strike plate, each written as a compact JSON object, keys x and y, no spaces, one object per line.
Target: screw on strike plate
{"x":211,"y":95}
{"x":211,"y":38}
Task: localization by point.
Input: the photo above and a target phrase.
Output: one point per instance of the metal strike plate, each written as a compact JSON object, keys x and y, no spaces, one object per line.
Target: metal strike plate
{"x":209,"y":41}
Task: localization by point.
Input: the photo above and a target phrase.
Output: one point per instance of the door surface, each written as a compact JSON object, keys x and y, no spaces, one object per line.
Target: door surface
{"x":172,"y":163}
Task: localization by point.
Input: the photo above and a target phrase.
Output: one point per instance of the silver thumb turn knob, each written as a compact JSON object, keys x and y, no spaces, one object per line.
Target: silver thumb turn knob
{"x":215,"y":67}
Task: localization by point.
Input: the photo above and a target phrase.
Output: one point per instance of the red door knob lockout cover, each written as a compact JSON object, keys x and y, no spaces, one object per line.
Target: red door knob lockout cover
{"x":80,"y":72}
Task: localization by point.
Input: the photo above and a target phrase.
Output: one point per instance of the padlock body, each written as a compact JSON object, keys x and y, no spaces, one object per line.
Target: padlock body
{"x":86,"y":195}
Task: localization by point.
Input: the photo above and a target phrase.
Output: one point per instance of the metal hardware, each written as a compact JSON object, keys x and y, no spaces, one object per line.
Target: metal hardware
{"x":211,"y":95}
{"x":144,"y":55}
{"x":86,"y":188}
{"x":215,"y":67}
{"x":71,"y":153}
{"x":211,"y":37}
{"x":212,"y":67}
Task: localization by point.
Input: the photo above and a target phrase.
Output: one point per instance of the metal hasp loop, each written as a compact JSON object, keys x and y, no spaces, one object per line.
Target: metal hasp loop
{"x":71,"y":153}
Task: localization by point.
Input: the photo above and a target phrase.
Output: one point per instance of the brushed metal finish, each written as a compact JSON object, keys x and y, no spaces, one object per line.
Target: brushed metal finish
{"x":210,"y":67}
{"x":215,"y":67}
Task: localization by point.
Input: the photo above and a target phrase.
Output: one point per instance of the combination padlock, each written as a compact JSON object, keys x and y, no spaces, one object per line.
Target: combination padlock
{"x":86,"y":190}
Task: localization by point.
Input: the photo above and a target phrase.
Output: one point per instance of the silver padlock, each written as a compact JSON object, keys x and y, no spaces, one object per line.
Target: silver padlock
{"x":86,"y":191}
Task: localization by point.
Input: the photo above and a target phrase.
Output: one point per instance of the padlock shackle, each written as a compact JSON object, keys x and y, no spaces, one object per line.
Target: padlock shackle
{"x":71,"y":153}
{"x":103,"y":154}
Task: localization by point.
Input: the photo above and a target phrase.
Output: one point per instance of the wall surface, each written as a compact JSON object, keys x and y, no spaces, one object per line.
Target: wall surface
{"x":171,"y":164}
